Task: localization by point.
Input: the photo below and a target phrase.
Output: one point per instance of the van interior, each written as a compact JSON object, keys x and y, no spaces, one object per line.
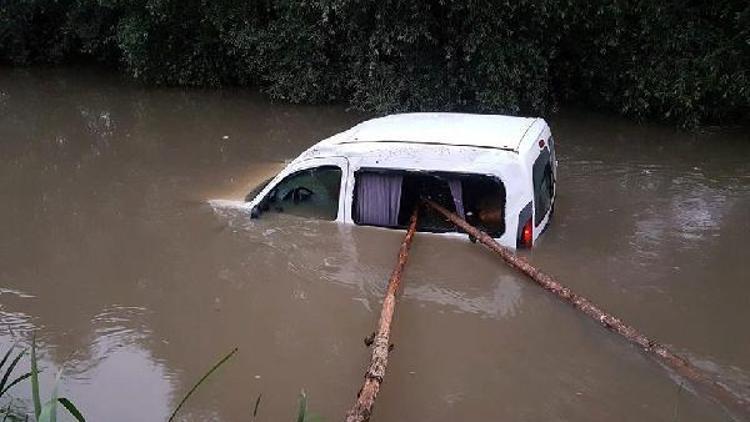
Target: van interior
{"x":311,"y":193}
{"x":386,"y":198}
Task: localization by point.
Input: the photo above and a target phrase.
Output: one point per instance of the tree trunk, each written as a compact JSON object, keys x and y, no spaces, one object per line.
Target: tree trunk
{"x":657,"y":350}
{"x":362,"y":408}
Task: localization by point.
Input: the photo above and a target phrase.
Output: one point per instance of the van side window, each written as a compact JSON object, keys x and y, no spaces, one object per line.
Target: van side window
{"x":543,"y":185}
{"x":386,"y":198}
{"x":310,"y":193}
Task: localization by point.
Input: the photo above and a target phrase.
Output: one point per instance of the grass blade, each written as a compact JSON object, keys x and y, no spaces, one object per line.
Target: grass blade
{"x":35,"y":380}
{"x":49,"y":411}
{"x":200,"y":381}
{"x":72,"y":409}
{"x":9,"y":371}
{"x":7,"y":355}
{"x":14,"y":382}
{"x":302,"y":406}
{"x":46,"y":414}
{"x":257,"y":403}
{"x":53,"y":398}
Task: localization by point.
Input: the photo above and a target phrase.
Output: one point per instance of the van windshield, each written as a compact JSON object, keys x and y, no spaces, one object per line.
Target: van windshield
{"x":386,"y":198}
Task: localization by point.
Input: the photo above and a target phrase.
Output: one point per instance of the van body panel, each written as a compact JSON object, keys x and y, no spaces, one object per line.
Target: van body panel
{"x":514,"y":168}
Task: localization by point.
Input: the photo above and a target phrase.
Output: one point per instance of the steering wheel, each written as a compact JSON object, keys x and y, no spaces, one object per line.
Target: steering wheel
{"x":299,"y":194}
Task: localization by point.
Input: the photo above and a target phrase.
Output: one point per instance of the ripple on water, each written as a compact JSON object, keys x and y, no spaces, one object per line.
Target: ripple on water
{"x":18,"y":324}
{"x":503,"y":302}
{"x":114,"y":328}
{"x":17,"y":293}
{"x":299,"y":243}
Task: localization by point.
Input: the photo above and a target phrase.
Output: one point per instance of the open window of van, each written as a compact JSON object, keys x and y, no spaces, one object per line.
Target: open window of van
{"x":386,"y":198}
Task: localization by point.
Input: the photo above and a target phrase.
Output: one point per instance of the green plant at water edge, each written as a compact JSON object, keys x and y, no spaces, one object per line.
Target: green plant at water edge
{"x":200,"y":381}
{"x":10,"y":414}
{"x":5,"y":385}
{"x":257,"y":404}
{"x":302,"y":414}
{"x":48,"y":411}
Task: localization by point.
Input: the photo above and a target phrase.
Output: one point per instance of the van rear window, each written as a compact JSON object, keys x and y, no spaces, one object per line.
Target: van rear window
{"x":386,"y":198}
{"x":543,"y":186}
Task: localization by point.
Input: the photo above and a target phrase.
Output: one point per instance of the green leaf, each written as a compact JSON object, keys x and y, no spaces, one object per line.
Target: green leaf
{"x":7,"y":355}
{"x":312,"y":417}
{"x":49,"y":411}
{"x":257,"y":403}
{"x":303,"y":415}
{"x":200,"y":381}
{"x":46,"y":414}
{"x":302,"y":406}
{"x":14,"y":382}
{"x":35,"y":381}
{"x":72,"y":409}
{"x":9,"y":371}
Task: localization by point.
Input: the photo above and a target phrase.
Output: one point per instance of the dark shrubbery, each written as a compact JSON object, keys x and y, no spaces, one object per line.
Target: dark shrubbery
{"x":685,"y":62}
{"x":681,"y":61}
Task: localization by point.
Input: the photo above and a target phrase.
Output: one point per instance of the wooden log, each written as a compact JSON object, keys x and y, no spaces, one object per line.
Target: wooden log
{"x":362,"y":409}
{"x":653,"y":348}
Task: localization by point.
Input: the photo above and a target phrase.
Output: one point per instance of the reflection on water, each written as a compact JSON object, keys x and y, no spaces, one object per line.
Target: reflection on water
{"x":502,"y":302}
{"x":111,"y":254}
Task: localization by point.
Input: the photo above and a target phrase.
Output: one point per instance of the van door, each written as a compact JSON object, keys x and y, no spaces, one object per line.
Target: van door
{"x":312,"y":189}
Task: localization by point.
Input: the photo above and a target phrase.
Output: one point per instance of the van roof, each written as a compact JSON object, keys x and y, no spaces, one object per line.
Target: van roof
{"x":459,"y":129}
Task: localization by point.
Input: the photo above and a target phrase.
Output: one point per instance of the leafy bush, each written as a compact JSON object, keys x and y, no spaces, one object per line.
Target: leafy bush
{"x":685,"y":62}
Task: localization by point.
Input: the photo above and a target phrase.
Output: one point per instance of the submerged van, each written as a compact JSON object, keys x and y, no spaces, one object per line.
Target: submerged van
{"x":497,"y":172}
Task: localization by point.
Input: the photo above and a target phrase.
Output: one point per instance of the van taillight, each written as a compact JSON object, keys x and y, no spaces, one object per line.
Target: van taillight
{"x":527,"y":236}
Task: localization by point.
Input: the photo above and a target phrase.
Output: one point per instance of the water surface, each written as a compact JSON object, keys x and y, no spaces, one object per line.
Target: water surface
{"x":110,"y":252}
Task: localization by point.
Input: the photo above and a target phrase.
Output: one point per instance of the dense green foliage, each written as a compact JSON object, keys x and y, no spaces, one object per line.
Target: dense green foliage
{"x":685,"y":62}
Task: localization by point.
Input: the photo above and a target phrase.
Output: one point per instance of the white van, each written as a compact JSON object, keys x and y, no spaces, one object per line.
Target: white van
{"x":498,"y":172}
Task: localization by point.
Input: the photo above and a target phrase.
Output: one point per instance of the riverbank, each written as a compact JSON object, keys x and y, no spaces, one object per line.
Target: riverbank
{"x":681,"y":63}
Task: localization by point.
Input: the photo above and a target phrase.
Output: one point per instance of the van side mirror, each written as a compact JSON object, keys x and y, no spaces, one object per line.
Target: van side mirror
{"x":254,"y":212}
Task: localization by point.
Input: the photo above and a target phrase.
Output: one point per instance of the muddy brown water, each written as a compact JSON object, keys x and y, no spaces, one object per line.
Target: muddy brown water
{"x":110,"y":252}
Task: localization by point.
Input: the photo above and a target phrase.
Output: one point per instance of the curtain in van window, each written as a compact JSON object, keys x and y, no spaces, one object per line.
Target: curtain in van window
{"x":458,"y":196}
{"x":378,"y":199}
